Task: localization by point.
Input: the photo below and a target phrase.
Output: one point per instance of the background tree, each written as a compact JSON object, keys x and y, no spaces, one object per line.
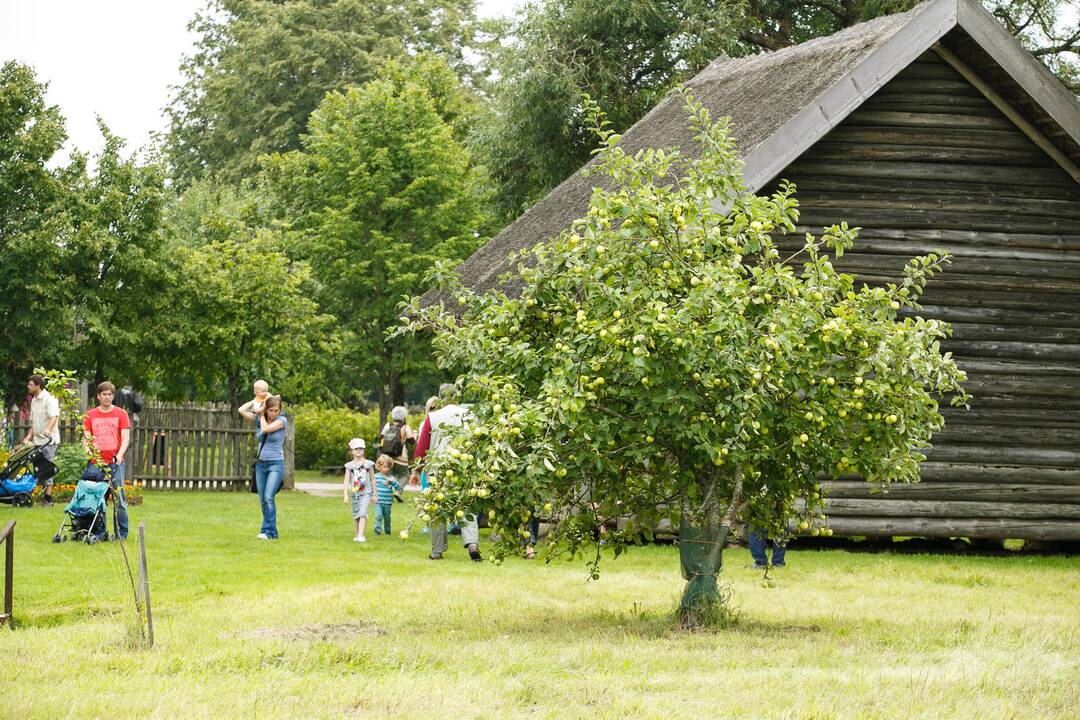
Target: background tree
{"x":34,"y":315}
{"x":625,"y":54}
{"x":380,"y":191}
{"x":114,"y":257}
{"x":663,"y":359}
{"x":237,"y":307}
{"x":261,"y":67}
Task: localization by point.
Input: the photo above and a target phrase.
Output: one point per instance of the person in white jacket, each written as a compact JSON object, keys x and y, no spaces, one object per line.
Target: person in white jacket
{"x":432,"y":436}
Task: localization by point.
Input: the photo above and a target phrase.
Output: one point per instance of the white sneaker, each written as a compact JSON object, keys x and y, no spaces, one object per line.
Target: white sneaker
{"x":262,"y":536}
{"x":361,"y":538}
{"x":358,"y":539}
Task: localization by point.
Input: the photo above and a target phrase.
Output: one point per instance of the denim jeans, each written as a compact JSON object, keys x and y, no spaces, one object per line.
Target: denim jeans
{"x":268,"y":476}
{"x":116,"y":481}
{"x":533,"y":526}
{"x":382,"y":517}
{"x":757,"y":540}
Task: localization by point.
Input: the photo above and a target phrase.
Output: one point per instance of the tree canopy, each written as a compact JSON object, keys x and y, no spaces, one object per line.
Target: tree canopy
{"x":379,"y":192}
{"x":237,"y":308}
{"x":664,"y":359}
{"x":31,"y":218}
{"x":261,"y":67}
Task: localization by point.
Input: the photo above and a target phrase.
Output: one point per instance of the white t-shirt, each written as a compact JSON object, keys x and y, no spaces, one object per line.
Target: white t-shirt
{"x":361,"y":477}
{"x":42,"y":408}
{"x":450,"y":415}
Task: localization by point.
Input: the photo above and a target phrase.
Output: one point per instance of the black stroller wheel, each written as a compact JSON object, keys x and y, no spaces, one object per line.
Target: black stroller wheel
{"x":22,"y":500}
{"x":58,"y":538}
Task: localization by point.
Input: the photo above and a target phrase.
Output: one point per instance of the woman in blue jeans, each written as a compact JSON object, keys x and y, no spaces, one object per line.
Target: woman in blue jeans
{"x":270,"y":462}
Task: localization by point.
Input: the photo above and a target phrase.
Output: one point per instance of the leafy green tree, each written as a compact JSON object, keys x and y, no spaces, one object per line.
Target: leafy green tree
{"x":237,"y":307}
{"x":114,"y":256}
{"x":34,"y":317}
{"x":625,"y":54}
{"x":379,"y":192}
{"x":664,"y":359}
{"x":261,"y":67}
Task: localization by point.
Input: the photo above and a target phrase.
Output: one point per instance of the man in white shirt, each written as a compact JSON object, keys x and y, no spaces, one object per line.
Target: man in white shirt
{"x":44,"y":425}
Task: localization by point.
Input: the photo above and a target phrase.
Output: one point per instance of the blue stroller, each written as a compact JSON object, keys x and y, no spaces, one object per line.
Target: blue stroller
{"x":22,"y":472}
{"x":84,"y":516}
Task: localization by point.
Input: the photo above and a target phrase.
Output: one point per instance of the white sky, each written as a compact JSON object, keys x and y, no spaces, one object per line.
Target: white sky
{"x":114,"y":58}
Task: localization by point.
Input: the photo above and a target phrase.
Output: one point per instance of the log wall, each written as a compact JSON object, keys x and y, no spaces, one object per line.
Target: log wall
{"x":928,"y":163}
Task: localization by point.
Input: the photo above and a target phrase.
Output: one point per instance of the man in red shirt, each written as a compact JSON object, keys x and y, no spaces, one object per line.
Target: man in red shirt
{"x":110,"y":429}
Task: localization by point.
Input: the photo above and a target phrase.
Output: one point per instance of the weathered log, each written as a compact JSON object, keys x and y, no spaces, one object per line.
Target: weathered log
{"x":971,"y":492}
{"x":988,"y":414}
{"x":978,"y":283}
{"x":1014,"y":333}
{"x":917,"y":171}
{"x":1001,"y":316}
{"x":939,"y":185}
{"x":1031,"y":300}
{"x":987,"y":204}
{"x":957,"y":87}
{"x":1003,"y":349}
{"x":927,"y":153}
{"x":1006,"y":454}
{"x":937,"y":104}
{"x":948,"y":527}
{"x":963,"y":431}
{"x":1056,"y":411}
{"x":895,"y":118}
{"x":915,"y":218}
{"x":932,"y":472}
{"x":909,"y":249}
{"x":835,"y":507}
{"x":1053,"y":386}
{"x":969,"y":266}
{"x":980,"y":238}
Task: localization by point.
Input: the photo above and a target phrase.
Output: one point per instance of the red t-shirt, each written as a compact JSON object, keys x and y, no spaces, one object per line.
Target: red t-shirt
{"x":105,"y":428}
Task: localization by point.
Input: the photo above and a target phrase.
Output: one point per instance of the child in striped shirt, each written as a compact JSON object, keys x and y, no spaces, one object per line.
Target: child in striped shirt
{"x":385,"y":486}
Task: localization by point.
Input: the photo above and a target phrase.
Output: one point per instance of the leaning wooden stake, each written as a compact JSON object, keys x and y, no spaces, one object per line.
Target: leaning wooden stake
{"x":144,"y":585}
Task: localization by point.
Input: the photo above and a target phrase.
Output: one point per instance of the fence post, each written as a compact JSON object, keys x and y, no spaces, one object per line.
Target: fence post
{"x":7,"y":537}
{"x":144,"y":584}
{"x":289,"y":481}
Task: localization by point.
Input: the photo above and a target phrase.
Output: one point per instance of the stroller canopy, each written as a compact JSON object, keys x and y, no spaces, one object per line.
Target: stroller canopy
{"x":89,"y":494}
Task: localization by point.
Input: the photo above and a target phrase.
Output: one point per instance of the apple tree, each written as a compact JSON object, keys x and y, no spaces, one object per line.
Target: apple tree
{"x":664,"y":359}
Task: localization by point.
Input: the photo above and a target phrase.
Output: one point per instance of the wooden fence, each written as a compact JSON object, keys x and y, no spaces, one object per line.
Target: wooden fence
{"x":191,"y":449}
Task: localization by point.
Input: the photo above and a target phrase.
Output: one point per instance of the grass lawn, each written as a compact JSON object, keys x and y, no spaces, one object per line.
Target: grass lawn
{"x":315,"y":625}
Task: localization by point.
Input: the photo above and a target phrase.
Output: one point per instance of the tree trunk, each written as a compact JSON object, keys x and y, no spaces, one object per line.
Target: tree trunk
{"x":234,"y":395}
{"x":703,"y":533}
{"x":397,"y":389}
{"x":384,"y":406}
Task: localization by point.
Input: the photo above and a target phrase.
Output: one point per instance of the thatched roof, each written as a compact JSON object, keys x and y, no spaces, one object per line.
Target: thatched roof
{"x":780,"y":104}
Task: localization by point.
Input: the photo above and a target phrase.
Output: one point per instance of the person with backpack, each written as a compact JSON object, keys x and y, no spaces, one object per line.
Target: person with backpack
{"x":395,"y":438}
{"x":433,"y":436}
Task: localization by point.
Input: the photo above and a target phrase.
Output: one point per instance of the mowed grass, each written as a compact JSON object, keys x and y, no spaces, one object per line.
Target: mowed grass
{"x":315,"y":625}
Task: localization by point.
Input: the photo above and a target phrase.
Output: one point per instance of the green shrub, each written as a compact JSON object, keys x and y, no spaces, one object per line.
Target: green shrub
{"x":70,"y":462}
{"x":323,"y":434}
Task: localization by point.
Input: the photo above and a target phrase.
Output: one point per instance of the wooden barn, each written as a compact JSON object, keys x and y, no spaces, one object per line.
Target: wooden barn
{"x":930,"y":129}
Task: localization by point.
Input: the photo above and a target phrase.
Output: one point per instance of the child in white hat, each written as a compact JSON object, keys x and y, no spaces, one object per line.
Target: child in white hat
{"x":359,"y":486}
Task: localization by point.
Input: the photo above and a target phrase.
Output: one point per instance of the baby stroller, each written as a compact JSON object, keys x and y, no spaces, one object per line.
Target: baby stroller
{"x":84,"y":516}
{"x":26,"y":467}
